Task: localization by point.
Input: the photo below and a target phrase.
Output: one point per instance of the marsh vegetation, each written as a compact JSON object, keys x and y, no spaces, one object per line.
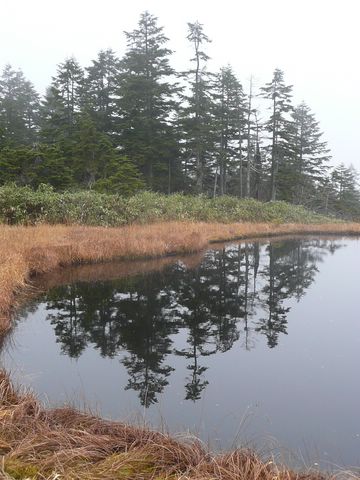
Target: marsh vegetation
{"x":161,"y":335}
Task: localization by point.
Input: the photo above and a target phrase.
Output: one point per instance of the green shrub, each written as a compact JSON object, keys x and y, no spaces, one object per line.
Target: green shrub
{"x":22,"y":205}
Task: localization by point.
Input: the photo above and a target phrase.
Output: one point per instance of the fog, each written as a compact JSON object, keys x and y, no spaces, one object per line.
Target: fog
{"x":315,"y":43}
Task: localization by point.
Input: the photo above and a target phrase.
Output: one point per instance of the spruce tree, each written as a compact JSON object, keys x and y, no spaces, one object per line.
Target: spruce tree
{"x":61,"y":112}
{"x":344,"y":182}
{"x":278,"y":123}
{"x":33,"y":166}
{"x":229,"y":126}
{"x":62,"y":102}
{"x":196,"y":118}
{"x":49,"y":166}
{"x":308,"y":156}
{"x":147,"y":102}
{"x":100,"y":91}
{"x":97,"y":164}
{"x":19,"y":109}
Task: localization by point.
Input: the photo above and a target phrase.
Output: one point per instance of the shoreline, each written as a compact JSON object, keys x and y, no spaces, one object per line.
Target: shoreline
{"x":28,"y":251}
{"x":39,"y":443}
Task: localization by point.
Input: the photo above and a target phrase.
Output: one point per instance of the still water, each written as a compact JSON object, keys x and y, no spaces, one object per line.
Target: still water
{"x":254,"y":344}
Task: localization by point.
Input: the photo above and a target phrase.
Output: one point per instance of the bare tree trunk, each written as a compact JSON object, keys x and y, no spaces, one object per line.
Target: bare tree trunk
{"x":199,"y":165}
{"x":248,"y":156}
{"x":150,"y":173}
{"x":221,"y":175}
{"x":240,"y":164}
{"x":222,"y":139}
{"x":241,"y":177}
{"x":169,"y":176}
{"x":273,"y":156}
{"x":257,"y":162}
{"x":215,"y":182}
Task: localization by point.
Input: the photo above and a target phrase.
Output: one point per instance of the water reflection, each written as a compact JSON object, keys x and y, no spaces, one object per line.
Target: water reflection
{"x":236,"y":293}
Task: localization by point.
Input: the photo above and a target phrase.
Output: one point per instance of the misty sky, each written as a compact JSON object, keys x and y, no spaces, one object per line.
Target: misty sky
{"x":315,"y":42}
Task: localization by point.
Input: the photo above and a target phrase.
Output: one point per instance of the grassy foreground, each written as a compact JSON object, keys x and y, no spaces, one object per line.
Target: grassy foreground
{"x":65,"y":444}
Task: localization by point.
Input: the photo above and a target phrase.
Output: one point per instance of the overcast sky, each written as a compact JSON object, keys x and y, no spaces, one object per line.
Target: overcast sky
{"x":316,"y":43}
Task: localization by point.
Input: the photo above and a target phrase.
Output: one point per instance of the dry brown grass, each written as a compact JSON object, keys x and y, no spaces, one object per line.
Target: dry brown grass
{"x":65,"y":444}
{"x":28,"y":251}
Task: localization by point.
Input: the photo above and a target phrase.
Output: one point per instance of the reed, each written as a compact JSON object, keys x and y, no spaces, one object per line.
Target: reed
{"x":65,"y":444}
{"x":30,"y":251}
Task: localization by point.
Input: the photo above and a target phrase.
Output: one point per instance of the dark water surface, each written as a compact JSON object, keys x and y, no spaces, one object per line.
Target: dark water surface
{"x":254,"y":343}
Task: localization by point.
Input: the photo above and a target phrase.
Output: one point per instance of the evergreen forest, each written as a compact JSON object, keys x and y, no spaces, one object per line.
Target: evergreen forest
{"x":132,"y":123}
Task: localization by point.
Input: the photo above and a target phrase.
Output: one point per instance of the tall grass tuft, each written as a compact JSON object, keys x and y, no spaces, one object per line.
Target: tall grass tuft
{"x":66,"y":444}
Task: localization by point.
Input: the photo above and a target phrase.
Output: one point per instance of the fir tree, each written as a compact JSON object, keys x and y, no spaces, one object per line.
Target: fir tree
{"x":34,"y":166}
{"x":62,"y":102}
{"x":100,"y":91}
{"x":308,"y":156}
{"x":96,"y":163}
{"x":197,"y":116}
{"x":347,"y":196}
{"x":229,"y":122}
{"x":147,"y":101}
{"x":19,"y":109}
{"x":277,"y":125}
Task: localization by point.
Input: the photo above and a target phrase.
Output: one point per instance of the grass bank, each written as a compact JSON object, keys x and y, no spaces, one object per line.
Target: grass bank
{"x":65,"y":444}
{"x":29,"y":251}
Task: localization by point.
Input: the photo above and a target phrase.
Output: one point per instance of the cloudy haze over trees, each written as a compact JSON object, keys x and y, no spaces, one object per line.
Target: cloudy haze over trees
{"x":132,"y":121}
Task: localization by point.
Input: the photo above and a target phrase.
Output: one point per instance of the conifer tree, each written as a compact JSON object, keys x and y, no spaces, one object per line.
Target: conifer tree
{"x":197,"y":116}
{"x":308,"y":156}
{"x":277,"y":125}
{"x":229,"y":125}
{"x":100,"y":91}
{"x":345,"y":184}
{"x":49,"y":166}
{"x":25,"y":165}
{"x":146,"y":104}
{"x":19,"y":109}
{"x":61,"y":112}
{"x":91,"y":152}
{"x":62,"y":102}
{"x":98,"y":164}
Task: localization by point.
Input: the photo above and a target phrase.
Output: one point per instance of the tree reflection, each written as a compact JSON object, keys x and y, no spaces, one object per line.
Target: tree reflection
{"x":145,"y":336}
{"x":238,"y":292}
{"x":68,"y":319}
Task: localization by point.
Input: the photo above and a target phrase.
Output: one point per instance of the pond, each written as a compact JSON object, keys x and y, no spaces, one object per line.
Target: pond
{"x":254,"y":344}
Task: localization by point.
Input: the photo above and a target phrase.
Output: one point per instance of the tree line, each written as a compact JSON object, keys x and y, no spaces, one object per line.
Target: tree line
{"x":125,"y":124}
